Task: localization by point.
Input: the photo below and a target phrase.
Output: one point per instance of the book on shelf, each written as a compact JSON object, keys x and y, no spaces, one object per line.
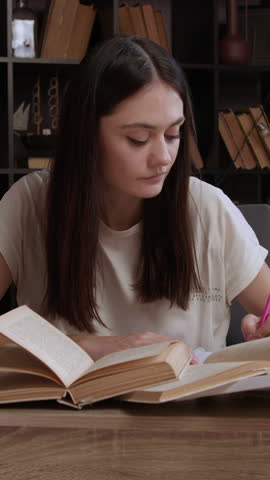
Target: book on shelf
{"x":81,"y":31}
{"x":68,"y":29}
{"x":150,"y":22}
{"x":262,"y":124}
{"x":143,"y":20}
{"x":39,"y":362}
{"x":44,"y":363}
{"x":163,"y":38}
{"x":39,"y":162}
{"x":137,"y":20}
{"x":125,"y":21}
{"x":249,"y":129}
{"x":235,"y":141}
{"x":52,"y":46}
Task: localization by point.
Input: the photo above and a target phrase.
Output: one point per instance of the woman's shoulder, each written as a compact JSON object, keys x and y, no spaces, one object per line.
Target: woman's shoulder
{"x":210,"y":206}
{"x":31,"y":185}
{"x":208,"y":197}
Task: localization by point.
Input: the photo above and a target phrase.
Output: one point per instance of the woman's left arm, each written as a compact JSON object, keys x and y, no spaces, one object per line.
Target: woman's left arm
{"x":253,"y":299}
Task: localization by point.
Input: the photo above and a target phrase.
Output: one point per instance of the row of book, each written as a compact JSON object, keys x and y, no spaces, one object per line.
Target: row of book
{"x":246,"y":136}
{"x":69,"y":26}
{"x":143,"y":20}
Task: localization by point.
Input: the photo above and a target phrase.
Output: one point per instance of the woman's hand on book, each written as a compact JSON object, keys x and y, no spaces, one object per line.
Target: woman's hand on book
{"x":99,"y":346}
{"x":250,"y":330}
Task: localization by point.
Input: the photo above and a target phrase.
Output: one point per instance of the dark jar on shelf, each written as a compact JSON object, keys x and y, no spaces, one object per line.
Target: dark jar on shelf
{"x":233,"y":48}
{"x":24,"y":31}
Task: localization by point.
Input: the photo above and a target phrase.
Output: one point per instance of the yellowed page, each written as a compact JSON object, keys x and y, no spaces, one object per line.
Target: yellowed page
{"x":259,"y":382}
{"x":129,"y":355}
{"x":193,"y":373}
{"x":243,"y":352}
{"x":197,"y":379}
{"x":32,"y":332}
{"x":15,"y":359}
{"x":16,"y":387}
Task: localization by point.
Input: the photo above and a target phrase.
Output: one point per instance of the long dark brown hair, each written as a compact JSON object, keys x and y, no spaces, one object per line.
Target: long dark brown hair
{"x":167,"y":266}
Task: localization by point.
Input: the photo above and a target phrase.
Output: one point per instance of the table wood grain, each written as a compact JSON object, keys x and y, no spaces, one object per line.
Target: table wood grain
{"x":219,"y":438}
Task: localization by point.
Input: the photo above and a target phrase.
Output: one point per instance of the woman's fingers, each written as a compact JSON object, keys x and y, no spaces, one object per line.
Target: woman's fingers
{"x":250,"y":330}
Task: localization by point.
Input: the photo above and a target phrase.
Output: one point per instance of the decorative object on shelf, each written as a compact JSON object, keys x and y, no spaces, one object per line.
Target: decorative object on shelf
{"x":37,"y":119}
{"x":53,"y":101}
{"x":24,"y":30}
{"x":233,"y":49}
{"x":21,"y":118}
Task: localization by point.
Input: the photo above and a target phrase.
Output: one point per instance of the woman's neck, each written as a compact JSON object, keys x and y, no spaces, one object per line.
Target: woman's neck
{"x":121,"y":213}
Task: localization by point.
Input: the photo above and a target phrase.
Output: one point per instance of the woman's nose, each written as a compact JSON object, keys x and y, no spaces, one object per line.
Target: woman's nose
{"x":160,"y":154}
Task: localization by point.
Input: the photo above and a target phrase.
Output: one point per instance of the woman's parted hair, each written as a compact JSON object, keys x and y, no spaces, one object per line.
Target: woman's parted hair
{"x":167,"y":266}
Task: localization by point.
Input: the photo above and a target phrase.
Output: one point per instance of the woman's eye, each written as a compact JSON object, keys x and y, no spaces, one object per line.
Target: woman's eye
{"x":172,"y":137}
{"x":137,"y":142}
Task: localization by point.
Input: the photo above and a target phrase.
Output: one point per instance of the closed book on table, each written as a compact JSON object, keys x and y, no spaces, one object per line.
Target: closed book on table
{"x":253,"y":137}
{"x":81,"y":31}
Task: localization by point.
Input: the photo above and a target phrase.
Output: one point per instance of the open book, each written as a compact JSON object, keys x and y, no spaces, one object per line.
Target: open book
{"x":42,"y":363}
{"x":240,"y":367}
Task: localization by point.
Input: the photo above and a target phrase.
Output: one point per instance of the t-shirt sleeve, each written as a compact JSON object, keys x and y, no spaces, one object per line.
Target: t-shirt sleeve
{"x":242,"y":253}
{"x":12,"y":210}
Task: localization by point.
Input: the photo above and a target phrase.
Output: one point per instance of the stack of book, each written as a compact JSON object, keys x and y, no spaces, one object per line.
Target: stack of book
{"x":246,"y":136}
{"x":143,"y":20}
{"x":68,"y":29}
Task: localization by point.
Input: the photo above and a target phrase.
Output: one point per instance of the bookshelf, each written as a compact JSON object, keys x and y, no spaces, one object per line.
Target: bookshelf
{"x":194,"y":29}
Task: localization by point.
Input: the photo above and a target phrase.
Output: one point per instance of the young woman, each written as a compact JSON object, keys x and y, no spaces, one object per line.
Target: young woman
{"x":118,"y":245}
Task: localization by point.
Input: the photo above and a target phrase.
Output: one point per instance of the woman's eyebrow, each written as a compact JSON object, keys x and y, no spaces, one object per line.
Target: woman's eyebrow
{"x":179,"y":122}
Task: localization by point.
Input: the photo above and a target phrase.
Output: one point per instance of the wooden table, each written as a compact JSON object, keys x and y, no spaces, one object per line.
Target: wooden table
{"x":219,"y":438}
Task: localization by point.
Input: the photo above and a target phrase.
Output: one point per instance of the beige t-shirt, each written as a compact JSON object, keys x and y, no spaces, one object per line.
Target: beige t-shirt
{"x":229,"y":258}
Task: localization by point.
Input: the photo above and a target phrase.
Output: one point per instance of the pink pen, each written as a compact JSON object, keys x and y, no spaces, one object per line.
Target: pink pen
{"x":266,"y":313}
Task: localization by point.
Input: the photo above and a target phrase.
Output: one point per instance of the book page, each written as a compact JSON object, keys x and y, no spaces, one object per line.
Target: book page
{"x":129,"y":355}
{"x":22,"y":387}
{"x":192,"y":374}
{"x":246,"y":351}
{"x":197,"y":379}
{"x":33,"y":333}
{"x":15,"y":359}
{"x":260,"y":382}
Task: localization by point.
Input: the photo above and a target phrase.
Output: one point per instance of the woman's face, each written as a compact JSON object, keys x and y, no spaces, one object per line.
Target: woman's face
{"x":139,"y":142}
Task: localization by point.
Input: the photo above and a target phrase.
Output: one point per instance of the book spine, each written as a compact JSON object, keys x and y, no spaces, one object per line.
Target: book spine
{"x":249,"y":129}
{"x":81,"y":32}
{"x":53,"y":25}
{"x":125,"y":23}
{"x":137,"y":21}
{"x":249,"y":159}
{"x":162,"y":30}
{"x":150,"y":23}
{"x":227,"y":133}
